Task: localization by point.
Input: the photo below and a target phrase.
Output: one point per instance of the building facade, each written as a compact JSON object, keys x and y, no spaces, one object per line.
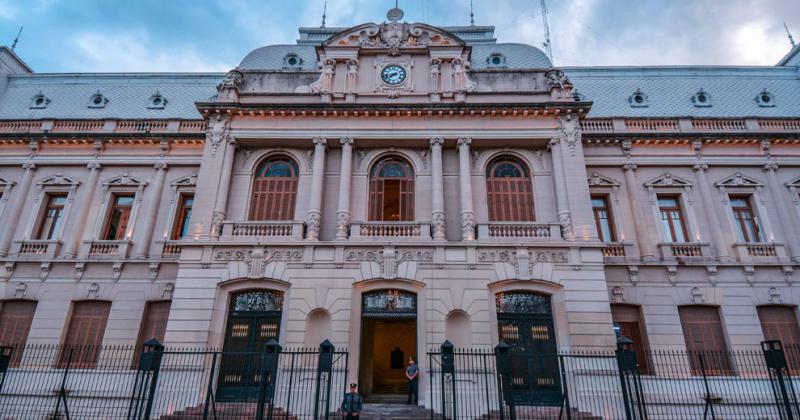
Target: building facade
{"x":391,"y":186}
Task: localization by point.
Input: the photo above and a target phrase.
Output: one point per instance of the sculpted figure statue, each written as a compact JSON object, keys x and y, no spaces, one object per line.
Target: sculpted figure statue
{"x":436,"y":74}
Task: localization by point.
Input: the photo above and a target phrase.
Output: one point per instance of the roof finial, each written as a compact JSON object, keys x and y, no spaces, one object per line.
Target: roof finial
{"x":16,"y":40}
{"x":324,"y":10}
{"x":471,"y":15}
{"x":789,"y":34}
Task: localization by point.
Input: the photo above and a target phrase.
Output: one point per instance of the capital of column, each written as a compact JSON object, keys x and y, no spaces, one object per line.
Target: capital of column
{"x":554,"y":141}
{"x":345,"y":141}
{"x":700,"y":167}
{"x":94,"y":166}
{"x":771,"y":167}
{"x":160,"y":166}
{"x":437,"y":142}
{"x":630,"y":166}
{"x":29,"y":166}
{"x":320,"y":141}
{"x":464,"y":141}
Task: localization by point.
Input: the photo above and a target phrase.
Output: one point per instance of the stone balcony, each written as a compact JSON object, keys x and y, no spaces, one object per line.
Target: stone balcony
{"x":618,"y":252}
{"x":383,"y":230}
{"x":109,"y":249}
{"x":509,"y":231}
{"x":262,"y":230}
{"x":38,"y":248}
{"x":685,"y":251}
{"x":760,"y":252}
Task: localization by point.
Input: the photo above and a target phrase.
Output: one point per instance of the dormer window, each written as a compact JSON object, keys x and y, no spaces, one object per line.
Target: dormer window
{"x":765,"y":99}
{"x":157,"y":101}
{"x":577,"y":96}
{"x":496,"y":60}
{"x":39,"y":101}
{"x":98,"y":100}
{"x":701,"y":99}
{"x":292,"y":60}
{"x":638,"y":99}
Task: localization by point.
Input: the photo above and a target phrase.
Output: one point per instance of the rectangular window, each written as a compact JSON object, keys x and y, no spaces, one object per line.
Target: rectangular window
{"x":87,"y":325}
{"x":602,"y":219}
{"x":16,"y":317}
{"x":53,"y":216}
{"x":154,"y":325}
{"x":672,"y":219}
{"x":780,"y":323}
{"x":705,"y":340}
{"x":745,"y":220}
{"x":628,"y":322}
{"x":183,"y":216}
{"x":118,"y":217}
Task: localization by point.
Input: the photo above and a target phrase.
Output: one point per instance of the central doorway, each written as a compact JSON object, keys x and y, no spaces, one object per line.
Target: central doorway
{"x":388,"y":339}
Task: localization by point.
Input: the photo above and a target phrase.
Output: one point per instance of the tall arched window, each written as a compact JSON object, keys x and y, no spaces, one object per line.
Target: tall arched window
{"x":391,"y":190}
{"x":509,"y":191}
{"x":274,"y":189}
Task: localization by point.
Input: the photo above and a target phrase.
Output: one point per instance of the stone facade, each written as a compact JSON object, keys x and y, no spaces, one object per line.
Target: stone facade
{"x":449,"y":122}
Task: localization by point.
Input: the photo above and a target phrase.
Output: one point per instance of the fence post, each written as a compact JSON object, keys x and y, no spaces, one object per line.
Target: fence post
{"x":62,"y":392}
{"x":503,"y":355}
{"x":776,"y":362}
{"x":269,"y":368}
{"x":565,"y":404}
{"x":324,"y":368}
{"x":152,"y":354}
{"x":5,"y":360}
{"x":449,"y":370}
{"x":210,"y":387}
{"x":626,"y":362}
{"x":709,"y":399}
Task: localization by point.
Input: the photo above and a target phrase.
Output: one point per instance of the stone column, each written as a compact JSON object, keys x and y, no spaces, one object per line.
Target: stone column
{"x":713,"y":215}
{"x":640,"y":223}
{"x":345,"y":179}
{"x":225,"y":175}
{"x":562,"y":198}
{"x":12,"y":221}
{"x":75,"y":233}
{"x":142,"y":246}
{"x":315,"y":198}
{"x":437,"y":188}
{"x":779,"y":196}
{"x":465,"y":190}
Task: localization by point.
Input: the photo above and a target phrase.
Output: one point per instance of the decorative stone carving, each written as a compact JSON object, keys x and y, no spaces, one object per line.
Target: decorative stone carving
{"x":80,"y":268}
{"x":93,"y":292}
{"x":775,"y":295}
{"x":352,"y":75}
{"x":711,"y":271}
{"x":626,"y":145}
{"x":565,"y":220}
{"x":232,"y":80}
{"x":324,"y":84}
{"x":739,"y":180}
{"x":269,"y":255}
{"x":697,"y":296}
{"x":436,"y":75}
{"x":393,"y":36}
{"x":116,"y":271}
{"x":467,"y":225}
{"x":461,"y":81}
{"x":169,"y":288}
{"x":8,"y":269}
{"x":44,"y":270}
{"x":617,"y":294}
{"x":597,"y":180}
{"x":312,"y":225}
{"x":124,"y":180}
{"x":437,"y":224}
{"x":556,"y":78}
{"x":217,"y":132}
{"x":21,"y":291}
{"x":570,"y":132}
{"x":787,"y":273}
{"x":668,"y":180}
{"x":749,"y":274}
{"x":672,"y":274}
{"x":217,"y":218}
{"x":255,"y":264}
{"x":342,"y":225}
{"x":633,"y":274}
{"x":57,"y":180}
{"x":152,"y":270}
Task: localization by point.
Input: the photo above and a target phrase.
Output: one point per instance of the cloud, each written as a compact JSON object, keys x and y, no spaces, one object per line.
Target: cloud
{"x":134,"y":52}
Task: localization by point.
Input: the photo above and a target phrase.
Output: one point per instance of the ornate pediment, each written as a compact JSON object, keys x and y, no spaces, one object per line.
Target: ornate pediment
{"x":793,"y":183}
{"x":394,"y":36}
{"x":185,"y":181}
{"x":58,"y":180}
{"x":124,"y":180}
{"x":597,"y":180}
{"x":5,"y":182}
{"x":739,"y":180}
{"x":668,"y":180}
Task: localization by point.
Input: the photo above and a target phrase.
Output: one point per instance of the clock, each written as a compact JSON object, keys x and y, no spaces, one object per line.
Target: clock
{"x":393,"y":75}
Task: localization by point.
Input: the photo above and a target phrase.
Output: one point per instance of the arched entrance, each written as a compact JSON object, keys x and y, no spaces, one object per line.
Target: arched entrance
{"x":388,"y":338}
{"x":525,"y":323}
{"x":254,"y":318}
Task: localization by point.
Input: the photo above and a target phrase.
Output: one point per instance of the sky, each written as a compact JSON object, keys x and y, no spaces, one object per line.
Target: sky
{"x":214,"y":35}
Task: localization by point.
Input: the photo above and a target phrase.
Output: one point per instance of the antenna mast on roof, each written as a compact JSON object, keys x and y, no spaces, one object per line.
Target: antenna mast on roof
{"x":16,"y":40}
{"x":471,"y":15}
{"x":324,"y":10}
{"x":791,"y":40}
{"x":547,"y":31}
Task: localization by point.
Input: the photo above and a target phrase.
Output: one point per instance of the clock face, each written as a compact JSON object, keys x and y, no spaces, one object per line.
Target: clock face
{"x":393,"y":74}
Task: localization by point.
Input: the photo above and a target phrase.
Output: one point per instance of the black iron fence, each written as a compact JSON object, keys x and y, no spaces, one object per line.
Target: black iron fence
{"x":497,"y":384}
{"x":57,"y":382}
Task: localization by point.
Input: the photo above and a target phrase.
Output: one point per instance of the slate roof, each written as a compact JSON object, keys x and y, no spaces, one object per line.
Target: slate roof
{"x":271,"y":57}
{"x":516,"y":56}
{"x":128,"y":95}
{"x":669,"y":90}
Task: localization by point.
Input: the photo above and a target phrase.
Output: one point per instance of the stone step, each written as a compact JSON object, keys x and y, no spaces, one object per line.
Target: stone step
{"x":386,"y":398}
{"x":372,"y":411}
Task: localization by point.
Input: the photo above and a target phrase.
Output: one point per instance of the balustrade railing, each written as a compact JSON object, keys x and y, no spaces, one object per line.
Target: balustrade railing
{"x":761,"y":250}
{"x":108,"y":248}
{"x":597,"y":126}
{"x":511,"y":230}
{"x":651,"y":125}
{"x":19,"y":126}
{"x":193,"y":126}
{"x":263,"y":229}
{"x":686,"y":250}
{"x":390,"y":229}
{"x":719,"y":125}
{"x":138,"y":126}
{"x":779,"y":125}
{"x":77,"y":125}
{"x":614,"y":250}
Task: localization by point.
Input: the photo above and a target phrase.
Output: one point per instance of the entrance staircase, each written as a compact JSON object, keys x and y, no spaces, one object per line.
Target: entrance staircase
{"x":383,"y":411}
{"x":542,"y":413}
{"x":227,"y":411}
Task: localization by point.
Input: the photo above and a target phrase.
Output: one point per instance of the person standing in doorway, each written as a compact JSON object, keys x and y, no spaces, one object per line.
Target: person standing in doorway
{"x":412,"y":373}
{"x":352,"y":403}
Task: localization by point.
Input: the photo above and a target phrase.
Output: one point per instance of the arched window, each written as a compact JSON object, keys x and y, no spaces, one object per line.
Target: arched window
{"x":509,"y":191}
{"x":391,"y":190}
{"x":274,"y":189}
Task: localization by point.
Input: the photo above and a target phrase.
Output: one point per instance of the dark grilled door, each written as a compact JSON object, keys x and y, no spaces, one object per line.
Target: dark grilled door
{"x":248,"y":331}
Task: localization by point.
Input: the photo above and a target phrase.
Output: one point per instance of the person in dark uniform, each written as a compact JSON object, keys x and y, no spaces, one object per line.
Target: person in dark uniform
{"x":412,"y":373}
{"x":352,"y":403}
